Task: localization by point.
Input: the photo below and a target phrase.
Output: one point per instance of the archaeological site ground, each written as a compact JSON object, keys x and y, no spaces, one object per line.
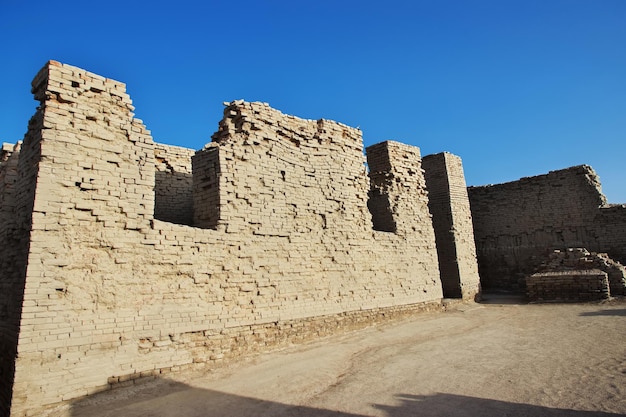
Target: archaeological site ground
{"x":125,"y":260}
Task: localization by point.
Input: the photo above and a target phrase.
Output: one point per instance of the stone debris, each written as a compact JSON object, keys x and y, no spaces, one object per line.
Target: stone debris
{"x":568,"y":286}
{"x":577,"y":259}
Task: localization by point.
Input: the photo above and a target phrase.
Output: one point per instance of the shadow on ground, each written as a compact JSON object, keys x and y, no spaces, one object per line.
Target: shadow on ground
{"x":449,"y":405}
{"x":169,"y":399}
{"x":619,"y":313}
{"x":503,"y":298}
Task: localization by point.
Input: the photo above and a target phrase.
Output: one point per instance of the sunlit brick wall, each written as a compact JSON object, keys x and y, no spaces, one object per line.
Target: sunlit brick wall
{"x":113,"y":294}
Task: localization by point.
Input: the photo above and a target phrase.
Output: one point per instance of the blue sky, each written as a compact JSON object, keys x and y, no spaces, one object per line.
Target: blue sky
{"x":516,"y":88}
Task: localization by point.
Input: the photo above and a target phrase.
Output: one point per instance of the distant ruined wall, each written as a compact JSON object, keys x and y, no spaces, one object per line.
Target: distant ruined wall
{"x":517,"y":224}
{"x":452,"y":221}
{"x":118,"y":287}
{"x":610,"y":228}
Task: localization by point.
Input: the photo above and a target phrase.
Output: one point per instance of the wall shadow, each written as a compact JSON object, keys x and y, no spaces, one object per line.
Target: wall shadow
{"x":502,"y":298}
{"x":173,"y":197}
{"x":165,"y":398}
{"x":449,"y":405}
{"x":619,"y":312}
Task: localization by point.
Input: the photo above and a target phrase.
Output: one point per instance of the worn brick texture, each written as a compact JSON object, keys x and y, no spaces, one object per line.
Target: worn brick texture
{"x":452,"y":221}
{"x":568,"y":286}
{"x":18,"y":171}
{"x":392,"y":201}
{"x":574,"y":259}
{"x":124,"y":260}
{"x":517,"y":224}
{"x":173,"y":188}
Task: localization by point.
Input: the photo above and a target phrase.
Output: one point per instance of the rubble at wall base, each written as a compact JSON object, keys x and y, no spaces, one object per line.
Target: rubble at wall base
{"x":568,"y":286}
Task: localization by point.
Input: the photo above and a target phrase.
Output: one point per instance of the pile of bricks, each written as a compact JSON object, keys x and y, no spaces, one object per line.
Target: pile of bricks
{"x":577,"y":259}
{"x":568,"y":286}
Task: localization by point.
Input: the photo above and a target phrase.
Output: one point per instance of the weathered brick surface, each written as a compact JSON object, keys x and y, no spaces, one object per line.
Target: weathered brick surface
{"x":517,"y":224}
{"x":568,"y":286}
{"x":581,"y":259}
{"x":398,"y":197}
{"x":19,"y":173}
{"x":173,"y":187}
{"x":117,"y":286}
{"x":609,"y":225}
{"x":12,"y":242}
{"x":452,"y":221}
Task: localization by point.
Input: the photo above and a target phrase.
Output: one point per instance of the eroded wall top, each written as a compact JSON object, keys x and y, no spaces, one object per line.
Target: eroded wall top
{"x":279,"y":174}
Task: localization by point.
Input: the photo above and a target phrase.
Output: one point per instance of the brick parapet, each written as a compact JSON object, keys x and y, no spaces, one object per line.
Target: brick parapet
{"x":398,"y":196}
{"x":280,"y":174}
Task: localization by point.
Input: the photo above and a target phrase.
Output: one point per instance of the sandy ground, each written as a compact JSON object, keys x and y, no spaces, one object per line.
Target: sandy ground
{"x":498,"y":358}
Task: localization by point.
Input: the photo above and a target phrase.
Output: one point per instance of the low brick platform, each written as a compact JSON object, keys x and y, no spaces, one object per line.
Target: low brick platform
{"x":572,"y":286}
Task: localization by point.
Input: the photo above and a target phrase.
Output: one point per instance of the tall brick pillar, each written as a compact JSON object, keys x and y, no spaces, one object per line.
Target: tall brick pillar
{"x":452,"y":220}
{"x":86,"y":172}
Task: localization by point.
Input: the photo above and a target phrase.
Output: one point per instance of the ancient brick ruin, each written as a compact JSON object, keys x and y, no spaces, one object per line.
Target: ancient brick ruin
{"x":518,"y":224}
{"x":576,"y":274}
{"x":123,"y":259}
{"x":452,"y":221}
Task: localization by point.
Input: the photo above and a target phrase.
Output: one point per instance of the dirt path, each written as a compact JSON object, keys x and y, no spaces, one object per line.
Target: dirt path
{"x":493,"y":359}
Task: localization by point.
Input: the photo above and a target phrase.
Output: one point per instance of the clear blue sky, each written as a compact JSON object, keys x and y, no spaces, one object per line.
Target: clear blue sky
{"x":516,"y":88}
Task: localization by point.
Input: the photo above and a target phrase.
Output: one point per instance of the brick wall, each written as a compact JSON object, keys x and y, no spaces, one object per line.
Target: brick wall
{"x":452,"y":220}
{"x":610,"y":228}
{"x":517,"y":224}
{"x":173,"y":188}
{"x":283,"y":249}
{"x":280,"y":174}
{"x":19,"y":173}
{"x":13,"y":249}
{"x":398,"y":196}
